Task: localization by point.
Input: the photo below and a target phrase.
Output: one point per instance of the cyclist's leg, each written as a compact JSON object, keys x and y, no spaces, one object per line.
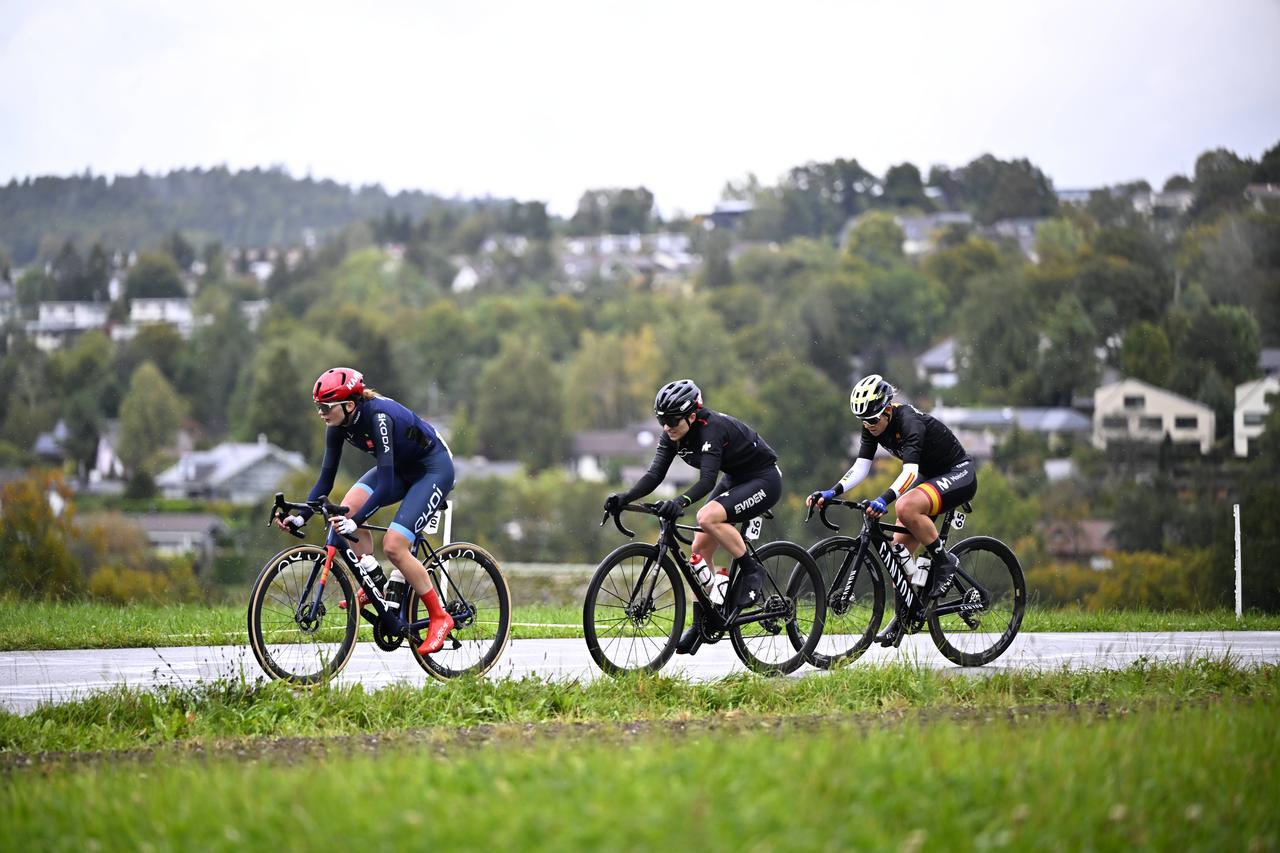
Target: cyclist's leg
{"x":354,"y":500}
{"x":420,"y":502}
{"x":743,"y":501}
{"x":704,"y":542}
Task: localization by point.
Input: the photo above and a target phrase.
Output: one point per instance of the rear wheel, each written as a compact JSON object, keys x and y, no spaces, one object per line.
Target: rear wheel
{"x":474,"y":592}
{"x":288,"y":642}
{"x":981,"y":613}
{"x":628,"y":629}
{"x":793,"y":589}
{"x":854,"y":610}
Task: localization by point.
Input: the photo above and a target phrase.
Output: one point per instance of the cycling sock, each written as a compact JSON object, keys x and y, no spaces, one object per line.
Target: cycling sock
{"x":432,"y":600}
{"x":934,"y":548}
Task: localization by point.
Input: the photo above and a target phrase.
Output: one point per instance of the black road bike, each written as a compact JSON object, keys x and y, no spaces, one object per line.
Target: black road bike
{"x":972,"y":624}
{"x":634,"y":611}
{"x":303,"y":618}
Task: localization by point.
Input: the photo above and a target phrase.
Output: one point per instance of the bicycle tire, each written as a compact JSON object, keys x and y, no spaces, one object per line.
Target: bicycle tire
{"x":478,"y":597}
{"x":285,"y":649}
{"x":621,"y":642}
{"x":993,"y":564}
{"x":848,"y":634}
{"x":772,"y":648}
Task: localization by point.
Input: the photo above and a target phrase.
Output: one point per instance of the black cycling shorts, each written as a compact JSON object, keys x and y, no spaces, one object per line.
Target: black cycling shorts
{"x":749,"y":496}
{"x":951,"y":489}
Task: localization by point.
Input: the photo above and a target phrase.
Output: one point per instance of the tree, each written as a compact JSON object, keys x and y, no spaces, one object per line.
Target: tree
{"x":182,"y":252}
{"x":33,"y":538}
{"x":1220,"y":179}
{"x":806,"y":421}
{"x":956,"y":265}
{"x":611,"y":379}
{"x":277,"y":403}
{"x":149,"y":417}
{"x":877,"y":239}
{"x":67,"y":271}
{"x":519,"y":406}
{"x":154,"y":276}
{"x":1006,"y":190}
{"x":1268,"y":169}
{"x":1226,"y":337}
{"x":904,"y":189}
{"x":1068,"y":362}
{"x":1145,"y":353}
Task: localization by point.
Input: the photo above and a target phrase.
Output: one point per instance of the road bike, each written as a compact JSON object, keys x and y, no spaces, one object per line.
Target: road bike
{"x":303,"y":618}
{"x":972,"y":624}
{"x":634,"y":611}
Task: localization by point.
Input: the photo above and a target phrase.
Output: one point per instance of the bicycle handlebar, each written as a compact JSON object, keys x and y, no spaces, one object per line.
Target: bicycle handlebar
{"x":861,"y":506}
{"x":647,"y":509}
{"x":281,"y":508}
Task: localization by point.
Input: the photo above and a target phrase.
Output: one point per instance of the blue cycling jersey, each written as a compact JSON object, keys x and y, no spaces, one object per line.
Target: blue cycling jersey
{"x":393,"y":435}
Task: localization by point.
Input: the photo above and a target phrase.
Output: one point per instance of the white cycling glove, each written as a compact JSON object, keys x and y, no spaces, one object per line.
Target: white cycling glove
{"x":345,"y":527}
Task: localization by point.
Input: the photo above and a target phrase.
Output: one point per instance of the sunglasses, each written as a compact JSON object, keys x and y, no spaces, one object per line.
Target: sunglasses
{"x":670,"y":420}
{"x":872,"y":421}
{"x":324,"y":408}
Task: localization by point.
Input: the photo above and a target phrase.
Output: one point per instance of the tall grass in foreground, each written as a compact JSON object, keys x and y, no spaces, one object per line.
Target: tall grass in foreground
{"x":84,"y":625}
{"x":121,"y":718}
{"x":1196,"y":778}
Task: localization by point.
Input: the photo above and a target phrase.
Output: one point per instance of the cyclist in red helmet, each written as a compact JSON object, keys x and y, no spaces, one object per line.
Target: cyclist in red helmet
{"x":413,"y":467}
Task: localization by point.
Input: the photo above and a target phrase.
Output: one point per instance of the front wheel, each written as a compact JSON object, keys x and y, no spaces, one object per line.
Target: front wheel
{"x":474,"y":592}
{"x":793,"y":589}
{"x":291,"y":640}
{"x":980,"y":615}
{"x":855,"y":602}
{"x":634,"y":611}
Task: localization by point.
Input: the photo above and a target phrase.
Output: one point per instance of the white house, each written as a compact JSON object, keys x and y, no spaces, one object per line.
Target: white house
{"x":937,"y":365}
{"x":241,"y":473}
{"x":1251,"y":411}
{"x":1132,"y":410}
{"x":58,"y":322}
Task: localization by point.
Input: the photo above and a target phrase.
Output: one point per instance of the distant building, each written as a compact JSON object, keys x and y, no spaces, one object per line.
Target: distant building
{"x":920,"y":232}
{"x":1132,"y":410}
{"x":1251,"y":413}
{"x":1083,"y":541}
{"x":982,"y":430}
{"x":937,"y":365}
{"x":173,"y":534}
{"x":232,"y":471}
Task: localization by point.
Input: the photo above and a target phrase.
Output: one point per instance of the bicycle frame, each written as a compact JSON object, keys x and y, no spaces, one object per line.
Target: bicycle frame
{"x":308,"y":608}
{"x":874,"y":542}
{"x":669,"y":539}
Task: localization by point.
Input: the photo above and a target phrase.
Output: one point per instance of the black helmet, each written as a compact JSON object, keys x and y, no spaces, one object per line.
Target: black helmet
{"x":677,"y":398}
{"x":870,"y":397}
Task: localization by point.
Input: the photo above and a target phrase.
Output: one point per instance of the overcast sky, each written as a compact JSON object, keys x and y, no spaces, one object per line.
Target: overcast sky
{"x":543,"y":100}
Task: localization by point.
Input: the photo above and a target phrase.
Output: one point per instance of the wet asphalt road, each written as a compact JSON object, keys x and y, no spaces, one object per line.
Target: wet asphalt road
{"x":28,"y":679}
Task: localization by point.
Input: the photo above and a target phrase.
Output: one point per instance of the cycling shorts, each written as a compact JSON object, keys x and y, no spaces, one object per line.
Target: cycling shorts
{"x":418,"y":499}
{"x":951,"y":489}
{"x":746,"y":497}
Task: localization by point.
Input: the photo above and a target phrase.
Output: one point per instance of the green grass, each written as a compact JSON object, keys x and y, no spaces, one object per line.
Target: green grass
{"x":208,"y":712}
{"x":1166,"y":777}
{"x":43,"y":625}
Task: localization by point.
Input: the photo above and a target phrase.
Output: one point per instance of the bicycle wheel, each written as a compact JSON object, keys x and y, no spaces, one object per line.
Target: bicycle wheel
{"x":854,"y":612}
{"x":474,"y":592}
{"x":287,"y":646}
{"x":979,"y":633}
{"x":627,"y":630}
{"x":793,"y":587}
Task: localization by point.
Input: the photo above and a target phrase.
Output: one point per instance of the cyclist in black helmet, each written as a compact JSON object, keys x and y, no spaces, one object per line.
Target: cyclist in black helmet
{"x":937,"y":475}
{"x":714,"y":443}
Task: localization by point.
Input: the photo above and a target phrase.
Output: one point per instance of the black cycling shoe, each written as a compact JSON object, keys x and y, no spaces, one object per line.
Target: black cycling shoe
{"x":942,"y":574}
{"x":691,"y":639}
{"x":750,"y":591}
{"x":891,"y":636}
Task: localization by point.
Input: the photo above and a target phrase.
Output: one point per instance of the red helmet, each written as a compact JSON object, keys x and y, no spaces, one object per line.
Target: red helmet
{"x":338,"y":384}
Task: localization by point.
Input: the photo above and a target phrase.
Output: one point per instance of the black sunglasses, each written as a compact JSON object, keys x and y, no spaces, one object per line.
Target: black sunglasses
{"x":872,"y":421}
{"x":670,"y":420}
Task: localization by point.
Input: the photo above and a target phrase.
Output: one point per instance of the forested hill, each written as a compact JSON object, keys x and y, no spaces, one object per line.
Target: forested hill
{"x":256,"y":207}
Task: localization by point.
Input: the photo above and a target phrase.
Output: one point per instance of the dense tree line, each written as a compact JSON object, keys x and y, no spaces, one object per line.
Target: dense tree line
{"x":811,"y":290}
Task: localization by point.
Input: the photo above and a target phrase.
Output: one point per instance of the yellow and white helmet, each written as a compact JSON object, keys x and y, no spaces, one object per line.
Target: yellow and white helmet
{"x":870,"y":397}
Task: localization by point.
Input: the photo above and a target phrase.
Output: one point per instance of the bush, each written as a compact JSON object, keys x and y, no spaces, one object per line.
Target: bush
{"x":1180,"y":580}
{"x":1062,"y":583}
{"x":118,"y":584}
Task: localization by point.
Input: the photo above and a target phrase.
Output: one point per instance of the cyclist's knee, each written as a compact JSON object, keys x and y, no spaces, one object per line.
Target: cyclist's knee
{"x":911,"y":506}
{"x":712,"y":513}
{"x":395,"y":544}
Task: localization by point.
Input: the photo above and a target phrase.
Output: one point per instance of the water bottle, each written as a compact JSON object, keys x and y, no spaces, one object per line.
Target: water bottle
{"x":901,"y":557}
{"x":369,"y":564}
{"x":719,"y":586}
{"x":701,"y":571}
{"x":396,"y":588}
{"x":920,"y":576}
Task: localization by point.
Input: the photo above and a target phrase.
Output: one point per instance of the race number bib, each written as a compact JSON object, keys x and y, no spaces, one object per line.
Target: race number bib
{"x":754,"y":527}
{"x":433,"y":523}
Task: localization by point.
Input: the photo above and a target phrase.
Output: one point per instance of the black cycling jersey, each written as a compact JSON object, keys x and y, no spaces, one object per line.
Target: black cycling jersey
{"x":394,"y":435}
{"x":914,"y":436}
{"x":715,"y":442}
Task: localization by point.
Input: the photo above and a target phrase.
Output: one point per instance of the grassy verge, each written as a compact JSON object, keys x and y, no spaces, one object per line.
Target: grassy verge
{"x":204,"y":713}
{"x":79,"y":625}
{"x":1190,"y":777}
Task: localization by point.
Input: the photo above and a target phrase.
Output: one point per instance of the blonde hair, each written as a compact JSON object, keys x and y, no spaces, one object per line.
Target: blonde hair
{"x":369,"y":394}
